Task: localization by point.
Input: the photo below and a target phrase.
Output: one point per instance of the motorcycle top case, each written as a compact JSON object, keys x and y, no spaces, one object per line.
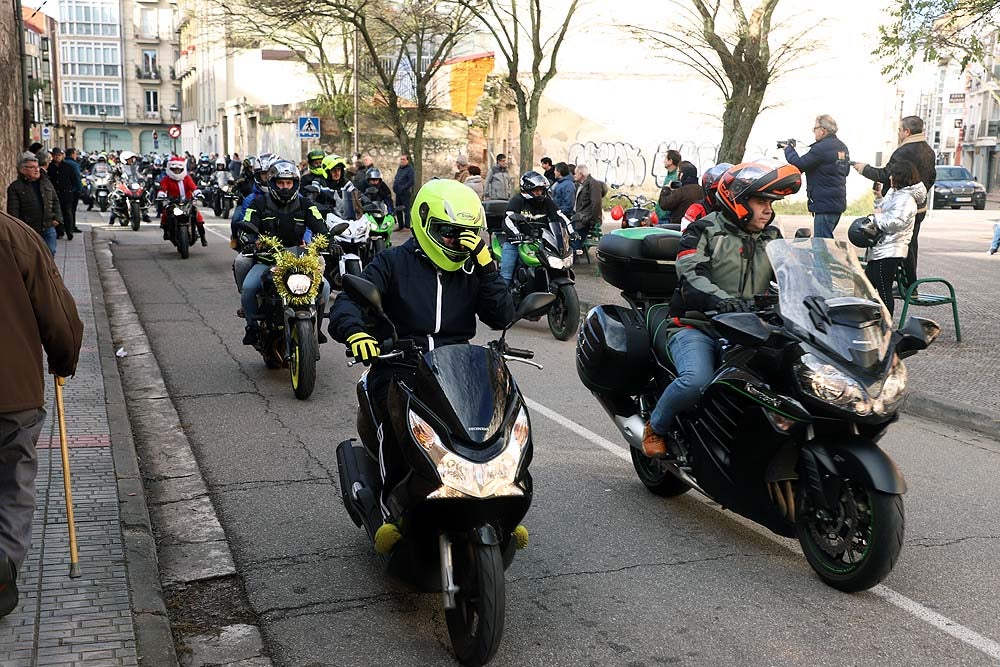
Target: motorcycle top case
{"x":496,"y":211}
{"x":640,"y":260}
{"x":612,"y":351}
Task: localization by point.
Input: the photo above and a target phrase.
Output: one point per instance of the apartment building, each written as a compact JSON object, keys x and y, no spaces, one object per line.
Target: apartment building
{"x":41,"y":72}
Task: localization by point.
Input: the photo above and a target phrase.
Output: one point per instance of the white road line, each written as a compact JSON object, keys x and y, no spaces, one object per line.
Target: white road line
{"x":920,"y":612}
{"x":224,"y":237}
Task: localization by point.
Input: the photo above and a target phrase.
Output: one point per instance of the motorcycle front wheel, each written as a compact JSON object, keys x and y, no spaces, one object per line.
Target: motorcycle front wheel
{"x":564,"y":314}
{"x":134,"y":215}
{"x":475,"y":625}
{"x":302,"y":364}
{"x":655,"y":476}
{"x":183,"y":241}
{"x":103,"y":206}
{"x":857,"y":547}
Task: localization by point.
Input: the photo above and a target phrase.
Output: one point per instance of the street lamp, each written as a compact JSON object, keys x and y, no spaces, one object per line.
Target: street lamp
{"x":173,"y":121}
{"x":103,"y":113}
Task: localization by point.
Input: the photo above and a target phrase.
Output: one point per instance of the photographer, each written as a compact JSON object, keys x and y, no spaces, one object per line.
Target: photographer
{"x":825,"y":167}
{"x":681,"y":193}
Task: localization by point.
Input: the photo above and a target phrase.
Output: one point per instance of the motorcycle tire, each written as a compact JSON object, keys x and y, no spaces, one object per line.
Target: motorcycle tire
{"x":378,"y":245}
{"x":103,"y":207}
{"x":475,"y":625}
{"x":135,"y":216}
{"x":183,"y":241}
{"x":302,"y":363}
{"x":225,"y":211}
{"x":655,"y":477}
{"x":564,"y":314}
{"x":883,"y":527}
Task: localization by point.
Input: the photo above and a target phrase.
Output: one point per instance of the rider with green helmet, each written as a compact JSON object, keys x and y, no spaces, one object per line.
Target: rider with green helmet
{"x":316,"y":172}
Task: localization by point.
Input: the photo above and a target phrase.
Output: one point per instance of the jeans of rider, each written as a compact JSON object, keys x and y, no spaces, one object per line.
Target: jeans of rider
{"x":694,"y":355}
{"x":392,"y":463}
{"x":995,"y":246}
{"x":881,"y":274}
{"x":253,"y":283}
{"x":508,"y":261}
{"x":824,"y":224}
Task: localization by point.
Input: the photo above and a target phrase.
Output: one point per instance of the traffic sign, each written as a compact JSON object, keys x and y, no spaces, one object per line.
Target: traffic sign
{"x":46,"y":132}
{"x":174,"y":131}
{"x":156,"y":135}
{"x":308,"y":127}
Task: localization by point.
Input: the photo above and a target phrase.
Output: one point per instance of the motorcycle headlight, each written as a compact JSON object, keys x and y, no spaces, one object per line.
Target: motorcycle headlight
{"x":178,"y":211}
{"x":133,"y":186}
{"x":830,"y":385}
{"x":298,"y":283}
{"x":463,"y":478}
{"x":893,"y":388}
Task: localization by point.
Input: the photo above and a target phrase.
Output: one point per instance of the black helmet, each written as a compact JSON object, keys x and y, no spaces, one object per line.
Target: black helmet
{"x":532,"y":180}
{"x":283,"y":169}
{"x":754,"y":179}
{"x":863,"y":232}
{"x":373,"y":173}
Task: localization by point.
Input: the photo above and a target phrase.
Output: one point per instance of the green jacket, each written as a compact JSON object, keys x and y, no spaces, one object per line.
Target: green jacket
{"x":716,"y":260}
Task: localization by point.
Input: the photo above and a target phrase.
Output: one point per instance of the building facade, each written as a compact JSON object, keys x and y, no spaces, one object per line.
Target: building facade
{"x":41,"y":71}
{"x":982,"y":118}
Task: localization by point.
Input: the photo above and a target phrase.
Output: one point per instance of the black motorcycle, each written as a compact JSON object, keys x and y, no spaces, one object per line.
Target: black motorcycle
{"x":464,"y":431}
{"x":206,"y":184}
{"x":225,"y":196}
{"x":786,"y":433}
{"x":181,"y":223}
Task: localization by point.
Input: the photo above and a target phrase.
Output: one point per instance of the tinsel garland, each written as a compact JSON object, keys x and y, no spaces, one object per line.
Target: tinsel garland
{"x":309,"y":263}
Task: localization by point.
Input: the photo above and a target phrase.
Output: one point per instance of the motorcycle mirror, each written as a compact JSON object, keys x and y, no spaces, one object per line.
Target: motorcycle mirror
{"x":536,"y":303}
{"x":313,"y":188}
{"x":339,"y":228}
{"x":742,"y":328}
{"x":915,"y":335}
{"x":246,"y":226}
{"x":803,"y":233}
{"x":364,"y":292}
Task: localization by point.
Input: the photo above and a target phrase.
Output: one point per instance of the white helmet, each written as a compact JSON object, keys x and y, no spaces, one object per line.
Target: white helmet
{"x":220,"y":162}
{"x":125,"y":156}
{"x":176,"y":168}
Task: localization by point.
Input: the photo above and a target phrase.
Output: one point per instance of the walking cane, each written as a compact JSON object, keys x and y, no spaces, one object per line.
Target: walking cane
{"x":74,"y":564}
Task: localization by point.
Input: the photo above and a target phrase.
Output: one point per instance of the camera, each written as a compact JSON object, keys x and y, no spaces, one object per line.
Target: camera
{"x":786,"y":142}
{"x":674,"y":185}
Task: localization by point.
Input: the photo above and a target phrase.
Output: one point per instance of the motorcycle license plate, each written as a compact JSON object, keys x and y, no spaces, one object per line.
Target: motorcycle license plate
{"x":963,"y":198}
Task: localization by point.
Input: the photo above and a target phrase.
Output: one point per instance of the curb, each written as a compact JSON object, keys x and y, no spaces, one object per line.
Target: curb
{"x":154,"y":639}
{"x":190,"y":544}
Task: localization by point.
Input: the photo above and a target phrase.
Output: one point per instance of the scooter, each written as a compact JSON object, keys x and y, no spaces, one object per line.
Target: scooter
{"x":100,"y":190}
{"x":786,"y":433}
{"x":464,"y":432}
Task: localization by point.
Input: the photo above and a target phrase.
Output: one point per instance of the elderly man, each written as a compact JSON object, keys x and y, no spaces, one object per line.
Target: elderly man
{"x":913,"y":147}
{"x":38,"y":313}
{"x":34,"y":201}
{"x":461,"y":168}
{"x":587,"y":206}
{"x":825,"y":167}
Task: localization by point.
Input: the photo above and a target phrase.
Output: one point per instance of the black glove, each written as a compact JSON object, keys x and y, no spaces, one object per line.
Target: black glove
{"x":249,"y":248}
{"x":734,"y":306}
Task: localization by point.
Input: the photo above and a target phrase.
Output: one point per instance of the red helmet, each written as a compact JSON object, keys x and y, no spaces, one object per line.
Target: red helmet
{"x":754,"y":179}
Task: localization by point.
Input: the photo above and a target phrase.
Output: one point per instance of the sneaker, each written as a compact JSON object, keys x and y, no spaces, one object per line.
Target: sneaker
{"x":992,"y":251}
{"x":8,"y":585}
{"x":250,"y":337}
{"x":654,"y":445}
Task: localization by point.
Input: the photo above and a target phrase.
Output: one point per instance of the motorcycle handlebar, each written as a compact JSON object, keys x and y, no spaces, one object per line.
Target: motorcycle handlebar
{"x":518,"y":352}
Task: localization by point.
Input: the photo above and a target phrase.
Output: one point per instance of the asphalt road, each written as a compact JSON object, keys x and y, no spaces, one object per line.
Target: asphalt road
{"x":613,"y":574}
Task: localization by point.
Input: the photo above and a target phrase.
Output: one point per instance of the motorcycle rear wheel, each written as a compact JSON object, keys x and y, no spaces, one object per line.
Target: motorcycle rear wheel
{"x":564,"y":314}
{"x":655,"y":478}
{"x":302,"y":363}
{"x":869,"y":526}
{"x":134,"y":216}
{"x":183,"y":241}
{"x":475,"y":625}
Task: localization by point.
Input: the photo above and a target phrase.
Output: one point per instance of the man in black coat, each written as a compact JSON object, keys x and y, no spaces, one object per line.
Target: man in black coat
{"x":32,"y":200}
{"x":66,"y":181}
{"x":826,"y":167}
{"x":913,"y":147}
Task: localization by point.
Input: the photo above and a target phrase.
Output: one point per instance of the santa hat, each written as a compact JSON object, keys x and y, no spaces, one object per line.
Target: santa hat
{"x":172,"y":164}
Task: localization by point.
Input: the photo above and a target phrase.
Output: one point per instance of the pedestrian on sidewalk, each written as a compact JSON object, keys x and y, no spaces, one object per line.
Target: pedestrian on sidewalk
{"x":475,"y":180}
{"x":66,"y":181}
{"x":34,"y":201}
{"x":996,"y":239}
{"x":38,"y":313}
{"x":564,"y":191}
{"x":402,"y":186}
{"x":913,"y":147}
{"x":461,"y":168}
{"x":498,"y":184}
{"x":825,"y":167}
{"x":587,"y":205}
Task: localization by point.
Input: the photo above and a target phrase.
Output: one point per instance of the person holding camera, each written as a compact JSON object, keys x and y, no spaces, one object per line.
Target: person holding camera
{"x":825,"y":167}
{"x":680,"y":194}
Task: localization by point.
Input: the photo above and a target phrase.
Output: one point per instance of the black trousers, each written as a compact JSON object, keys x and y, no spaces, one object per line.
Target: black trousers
{"x":910,"y":262}
{"x":67,"y":204}
{"x":393,"y":465}
{"x":881,"y":273}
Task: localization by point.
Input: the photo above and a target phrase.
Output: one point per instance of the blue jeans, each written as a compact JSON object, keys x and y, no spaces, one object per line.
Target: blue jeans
{"x":508,"y":261}
{"x":694,"y":355}
{"x":824,"y":224}
{"x":996,"y":238}
{"x":49,"y":236}
{"x":252,"y":284}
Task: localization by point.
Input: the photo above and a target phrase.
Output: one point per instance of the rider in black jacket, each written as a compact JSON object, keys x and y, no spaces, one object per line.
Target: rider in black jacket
{"x":433,"y":287}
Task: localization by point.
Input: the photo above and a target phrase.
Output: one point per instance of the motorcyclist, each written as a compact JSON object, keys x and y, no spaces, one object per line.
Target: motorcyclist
{"x":376,"y":191}
{"x":258,"y":185}
{"x":709,"y":184}
{"x":178,"y":184}
{"x":283,"y":212}
{"x":129,"y":172}
{"x":533,"y":199}
{"x":153,"y":176}
{"x":316,"y":172}
{"x":205,"y":167}
{"x":100,"y":167}
{"x":721,"y":265}
{"x":432,"y":288}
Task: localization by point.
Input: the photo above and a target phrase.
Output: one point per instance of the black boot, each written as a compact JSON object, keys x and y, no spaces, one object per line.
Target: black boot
{"x":201,"y":233}
{"x":250,"y":337}
{"x":166,"y":234}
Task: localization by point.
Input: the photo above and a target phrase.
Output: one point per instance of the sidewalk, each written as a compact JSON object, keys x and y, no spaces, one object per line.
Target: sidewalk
{"x":63,"y":621}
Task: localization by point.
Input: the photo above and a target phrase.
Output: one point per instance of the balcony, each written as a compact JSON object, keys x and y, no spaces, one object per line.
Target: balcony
{"x":147,"y":114}
{"x":148,"y":74}
{"x":147,"y":38}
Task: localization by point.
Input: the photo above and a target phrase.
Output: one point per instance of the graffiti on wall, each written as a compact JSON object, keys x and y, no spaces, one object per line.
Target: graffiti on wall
{"x":621,"y":163}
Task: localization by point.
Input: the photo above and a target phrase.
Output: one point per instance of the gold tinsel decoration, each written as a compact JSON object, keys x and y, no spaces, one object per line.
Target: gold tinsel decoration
{"x":309,"y":263}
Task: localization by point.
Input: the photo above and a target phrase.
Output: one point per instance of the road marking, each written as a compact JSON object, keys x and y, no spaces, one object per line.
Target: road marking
{"x":224,"y":237}
{"x":920,"y":612}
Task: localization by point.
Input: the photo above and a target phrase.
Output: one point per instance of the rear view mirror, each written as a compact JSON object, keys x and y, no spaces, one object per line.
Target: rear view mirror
{"x":339,"y":228}
{"x":742,"y":328}
{"x":803,"y":233}
{"x":363,"y":292}
{"x":536,"y":303}
{"x":313,"y":188}
{"x":915,"y":335}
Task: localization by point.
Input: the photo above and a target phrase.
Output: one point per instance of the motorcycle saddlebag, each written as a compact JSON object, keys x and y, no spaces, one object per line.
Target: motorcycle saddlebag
{"x":612,"y":352}
{"x":640,"y":260}
{"x":496,"y":210}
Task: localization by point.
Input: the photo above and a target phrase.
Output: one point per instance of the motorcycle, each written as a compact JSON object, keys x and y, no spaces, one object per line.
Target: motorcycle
{"x":354,"y":241}
{"x":224,"y":199}
{"x":289,"y":315}
{"x":464,"y":431}
{"x":640,"y":212}
{"x":380,"y":226}
{"x":181,"y":223}
{"x":100,"y":190}
{"x":207,"y":186}
{"x":129,"y":202}
{"x":545,"y":258}
{"x":786,"y":433}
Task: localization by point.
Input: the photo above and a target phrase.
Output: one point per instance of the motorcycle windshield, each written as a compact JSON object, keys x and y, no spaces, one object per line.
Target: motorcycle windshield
{"x":468,"y":387}
{"x":825,"y":296}
{"x":556,"y":238}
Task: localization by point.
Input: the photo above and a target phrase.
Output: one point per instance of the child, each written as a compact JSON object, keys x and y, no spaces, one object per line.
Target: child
{"x":894,"y":216}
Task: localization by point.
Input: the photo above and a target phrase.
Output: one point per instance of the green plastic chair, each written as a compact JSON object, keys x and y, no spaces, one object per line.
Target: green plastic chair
{"x":911,"y":296}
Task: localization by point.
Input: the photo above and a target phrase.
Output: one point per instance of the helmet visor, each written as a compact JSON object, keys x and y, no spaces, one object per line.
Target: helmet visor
{"x":445,"y":233}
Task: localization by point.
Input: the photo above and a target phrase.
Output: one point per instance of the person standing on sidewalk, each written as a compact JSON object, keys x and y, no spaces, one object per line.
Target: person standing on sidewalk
{"x":73,"y":160}
{"x":498,"y":184}
{"x":33,"y":200}
{"x":825,"y":167}
{"x":913,"y":147}
{"x":66,"y":181}
{"x":587,"y":211}
{"x":402,"y":186}
{"x":38,"y":313}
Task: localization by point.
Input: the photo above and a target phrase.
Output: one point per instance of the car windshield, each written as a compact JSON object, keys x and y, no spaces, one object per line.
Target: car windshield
{"x":825,"y":297}
{"x":953,"y":174}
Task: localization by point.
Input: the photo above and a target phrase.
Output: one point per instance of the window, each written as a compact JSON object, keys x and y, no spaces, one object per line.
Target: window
{"x":147,"y":23}
{"x":88,"y":98}
{"x":149,"y":63}
{"x":90,"y":59}
{"x":152,"y":103}
{"x":89,"y":17}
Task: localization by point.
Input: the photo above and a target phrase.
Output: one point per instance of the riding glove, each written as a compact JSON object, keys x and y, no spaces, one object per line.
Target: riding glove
{"x":476,"y":246}
{"x":363,"y":347}
{"x":734,"y":306}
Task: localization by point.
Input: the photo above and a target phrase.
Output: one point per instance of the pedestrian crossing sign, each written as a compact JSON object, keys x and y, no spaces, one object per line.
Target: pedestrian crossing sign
{"x":308,"y":127}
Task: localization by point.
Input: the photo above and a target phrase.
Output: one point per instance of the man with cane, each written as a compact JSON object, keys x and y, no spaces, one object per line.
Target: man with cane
{"x":37,"y":313}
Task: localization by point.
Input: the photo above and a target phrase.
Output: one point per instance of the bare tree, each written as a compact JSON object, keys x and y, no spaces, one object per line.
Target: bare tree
{"x":12,"y":111}
{"x":520,"y":41}
{"x":732,"y":52}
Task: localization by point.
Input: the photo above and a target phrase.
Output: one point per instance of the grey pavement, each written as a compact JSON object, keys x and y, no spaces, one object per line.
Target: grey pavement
{"x":63,"y":621}
{"x":613,"y":575}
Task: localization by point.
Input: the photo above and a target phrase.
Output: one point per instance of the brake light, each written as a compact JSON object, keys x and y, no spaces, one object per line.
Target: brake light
{"x":653,"y":218}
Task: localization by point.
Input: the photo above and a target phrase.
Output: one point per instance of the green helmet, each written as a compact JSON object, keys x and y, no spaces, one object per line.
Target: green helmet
{"x":313,"y":155}
{"x":442,"y":209}
{"x":330,"y":162}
